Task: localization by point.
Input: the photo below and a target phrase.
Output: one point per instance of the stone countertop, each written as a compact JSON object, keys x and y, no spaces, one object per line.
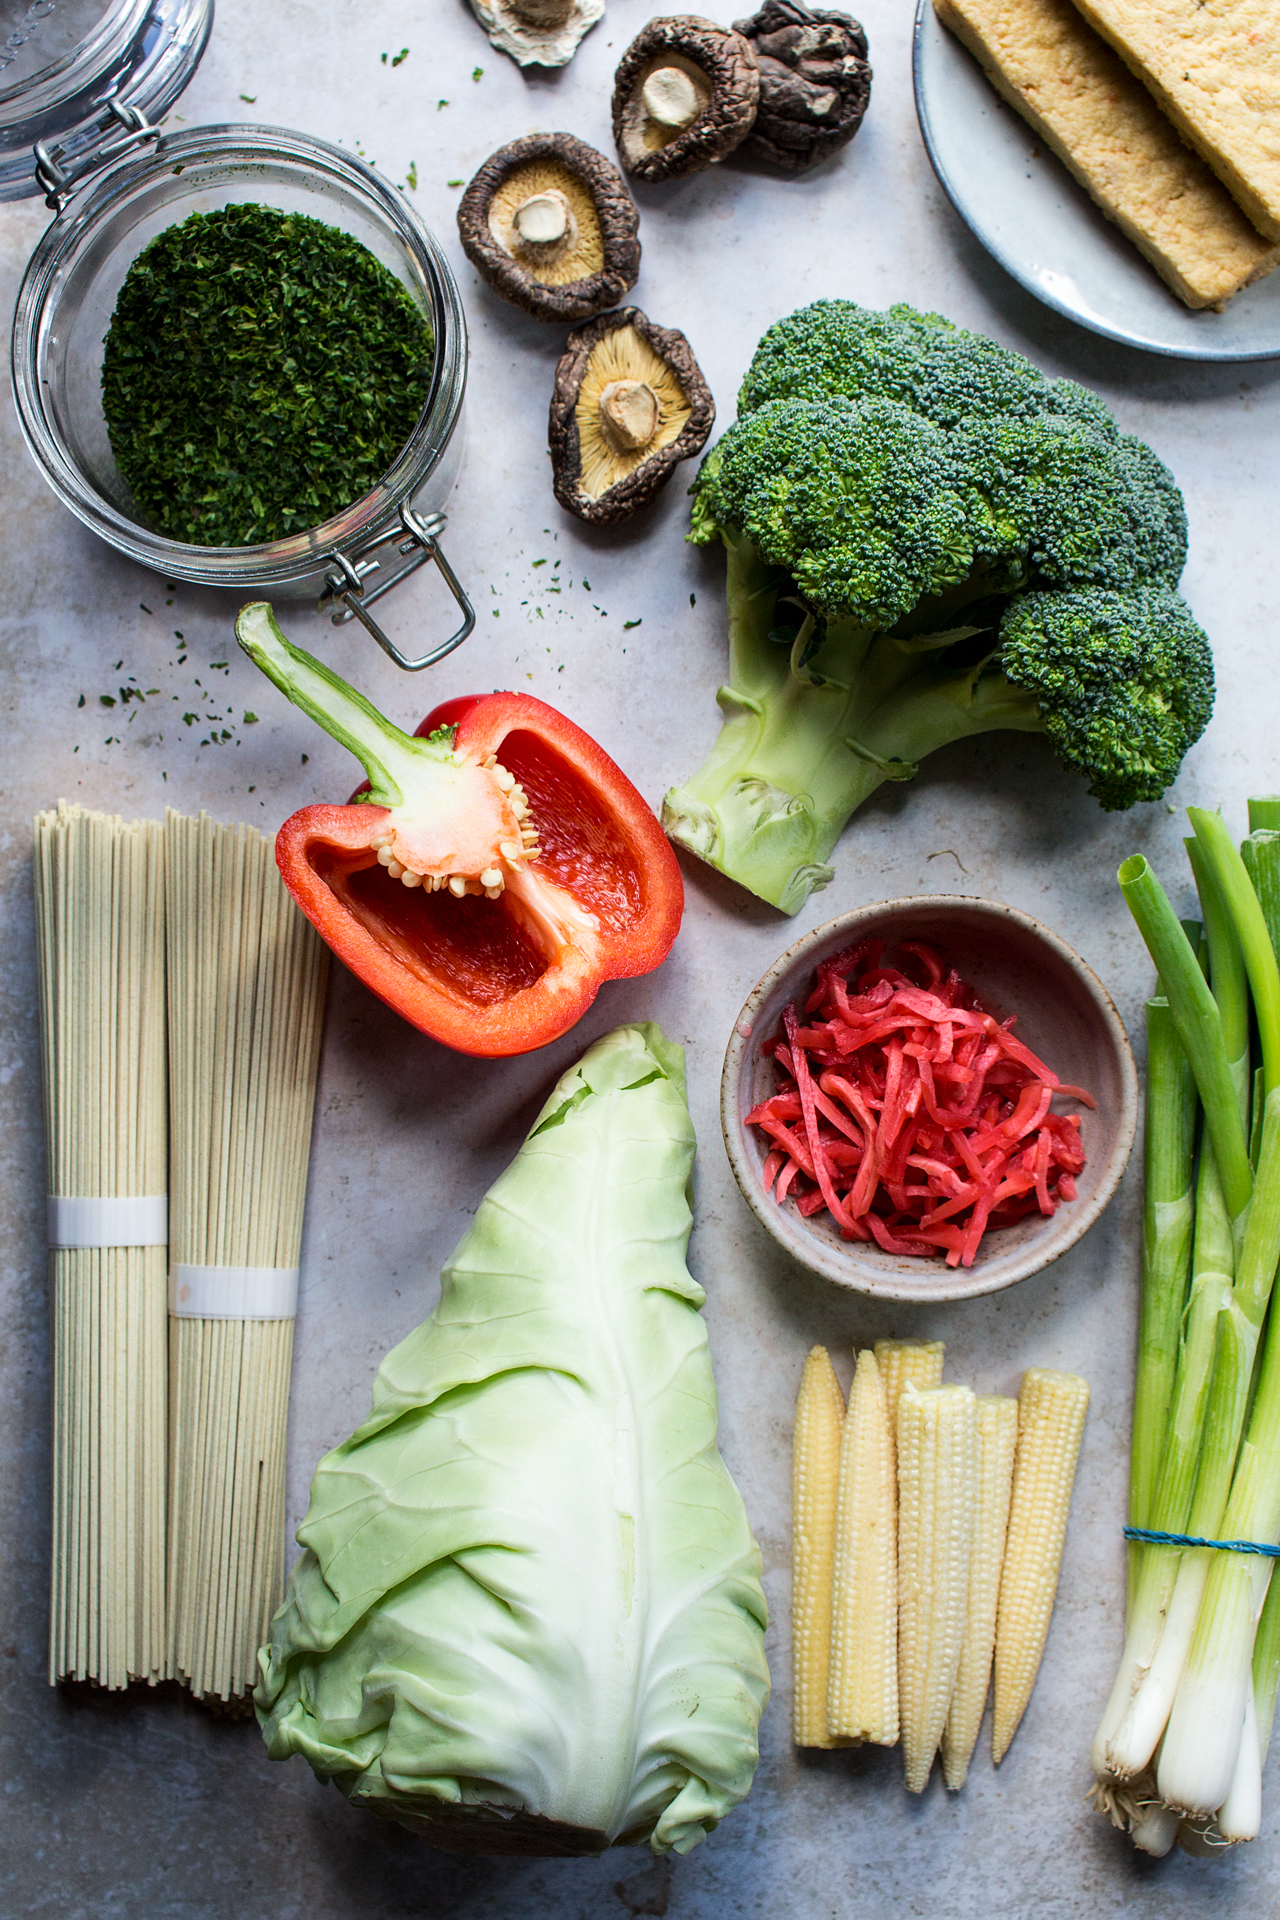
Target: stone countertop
{"x":152,"y":1808}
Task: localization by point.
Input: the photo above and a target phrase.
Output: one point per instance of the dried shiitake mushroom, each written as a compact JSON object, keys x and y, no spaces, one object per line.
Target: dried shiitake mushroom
{"x":685,"y":94}
{"x":548,"y":223}
{"x":630,"y":404}
{"x":814,"y":83}
{"x":538,"y":33}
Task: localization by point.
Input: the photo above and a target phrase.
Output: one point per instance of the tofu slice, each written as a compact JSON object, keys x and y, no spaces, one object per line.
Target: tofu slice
{"x":1104,"y":125}
{"x":1214,"y":67}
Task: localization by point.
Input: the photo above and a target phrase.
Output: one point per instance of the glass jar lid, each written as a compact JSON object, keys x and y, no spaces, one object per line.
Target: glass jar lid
{"x":72,"y":71}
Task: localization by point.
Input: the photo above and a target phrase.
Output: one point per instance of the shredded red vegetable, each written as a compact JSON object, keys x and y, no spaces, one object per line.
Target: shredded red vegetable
{"x":909,"y":1113}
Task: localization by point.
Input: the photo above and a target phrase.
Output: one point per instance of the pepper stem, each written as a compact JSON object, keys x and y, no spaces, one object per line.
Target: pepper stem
{"x":389,"y":756}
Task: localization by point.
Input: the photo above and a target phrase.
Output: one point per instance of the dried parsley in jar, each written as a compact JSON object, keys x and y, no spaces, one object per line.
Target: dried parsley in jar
{"x":262,"y":371}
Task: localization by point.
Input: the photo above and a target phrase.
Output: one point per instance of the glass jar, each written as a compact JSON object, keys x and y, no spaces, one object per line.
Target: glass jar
{"x":63,"y":62}
{"x":68,"y":295}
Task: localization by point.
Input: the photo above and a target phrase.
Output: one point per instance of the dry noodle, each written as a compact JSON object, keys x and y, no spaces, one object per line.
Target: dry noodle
{"x":100,"y":930}
{"x":246,"y":1001}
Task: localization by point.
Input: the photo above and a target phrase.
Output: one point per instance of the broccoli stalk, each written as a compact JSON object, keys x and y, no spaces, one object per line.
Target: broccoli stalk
{"x":799,"y":751}
{"x":927,"y":540}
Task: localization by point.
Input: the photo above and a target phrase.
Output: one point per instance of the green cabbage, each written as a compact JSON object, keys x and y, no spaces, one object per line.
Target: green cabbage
{"x":528,"y":1616}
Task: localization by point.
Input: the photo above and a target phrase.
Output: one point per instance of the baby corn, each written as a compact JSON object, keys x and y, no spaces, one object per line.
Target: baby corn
{"x":1051,"y":1410}
{"x":918,"y":1362}
{"x":937,"y":1484}
{"x":815,"y":1470}
{"x":997,"y":1437}
{"x":862,"y":1690}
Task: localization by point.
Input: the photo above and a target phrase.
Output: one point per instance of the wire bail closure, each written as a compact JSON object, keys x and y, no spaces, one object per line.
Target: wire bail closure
{"x":59,"y":182}
{"x":417,"y":541}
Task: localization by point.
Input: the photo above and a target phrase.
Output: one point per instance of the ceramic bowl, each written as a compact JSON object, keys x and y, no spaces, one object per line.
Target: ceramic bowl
{"x":1065,"y":1015}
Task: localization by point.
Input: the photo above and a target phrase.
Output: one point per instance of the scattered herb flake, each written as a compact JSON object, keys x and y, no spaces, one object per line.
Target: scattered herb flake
{"x":628,"y":624}
{"x":693,"y":599}
{"x":453,"y":183}
{"x":80,"y":701}
{"x":105,"y":700}
{"x":441,"y":103}
{"x":252,"y":98}
{"x":477,"y":73}
{"x":250,"y":720}
{"x":398,"y":59}
{"x":411,"y":176}
{"x":539,"y":563}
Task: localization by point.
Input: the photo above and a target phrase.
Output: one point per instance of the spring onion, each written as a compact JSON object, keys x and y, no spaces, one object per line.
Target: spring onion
{"x":1181,"y":1744}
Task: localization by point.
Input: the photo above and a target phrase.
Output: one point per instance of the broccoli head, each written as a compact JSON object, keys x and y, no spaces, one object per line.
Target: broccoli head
{"x":926,"y":540}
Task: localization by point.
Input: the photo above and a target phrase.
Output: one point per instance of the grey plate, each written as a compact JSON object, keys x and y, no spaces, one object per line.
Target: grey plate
{"x":1022,"y":204}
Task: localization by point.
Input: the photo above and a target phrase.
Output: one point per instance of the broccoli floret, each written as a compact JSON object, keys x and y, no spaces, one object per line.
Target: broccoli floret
{"x":920,"y":359}
{"x":1082,"y":508}
{"x":864,"y":505}
{"x":1123,"y":681}
{"x":927,"y":539}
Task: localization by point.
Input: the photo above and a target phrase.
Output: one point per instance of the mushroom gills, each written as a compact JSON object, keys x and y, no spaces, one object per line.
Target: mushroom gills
{"x":672,"y":93}
{"x":545,"y":218}
{"x":630,"y":405}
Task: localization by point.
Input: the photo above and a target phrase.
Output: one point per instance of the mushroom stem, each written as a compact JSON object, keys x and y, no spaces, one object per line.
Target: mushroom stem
{"x":629,"y":414}
{"x":670,"y":97}
{"x":544,"y":220}
{"x":542,"y":13}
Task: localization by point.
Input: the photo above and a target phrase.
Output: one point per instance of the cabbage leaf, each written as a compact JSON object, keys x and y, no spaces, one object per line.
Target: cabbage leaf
{"x":528,"y":1614}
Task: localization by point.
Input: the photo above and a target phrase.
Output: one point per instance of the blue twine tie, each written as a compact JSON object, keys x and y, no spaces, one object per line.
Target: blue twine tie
{"x":1157,"y":1539}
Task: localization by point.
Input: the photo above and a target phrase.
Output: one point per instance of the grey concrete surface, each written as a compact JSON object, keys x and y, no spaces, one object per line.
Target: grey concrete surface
{"x":150,"y":1810}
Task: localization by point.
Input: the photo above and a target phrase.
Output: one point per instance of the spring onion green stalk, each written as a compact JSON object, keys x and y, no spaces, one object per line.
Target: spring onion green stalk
{"x":1232,"y":883}
{"x":1228,"y":975}
{"x":1118,"y":1744}
{"x":1264,"y":811}
{"x":1239,"y":1321}
{"x":1261,"y":855}
{"x":1168,"y":1221}
{"x":1202,"y":1740}
{"x":1266,"y":1667}
{"x":1199,"y":1023}
{"x":1211,"y":1282}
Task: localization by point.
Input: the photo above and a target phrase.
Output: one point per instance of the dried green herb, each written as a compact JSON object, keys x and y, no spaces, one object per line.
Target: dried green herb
{"x":262,"y":371}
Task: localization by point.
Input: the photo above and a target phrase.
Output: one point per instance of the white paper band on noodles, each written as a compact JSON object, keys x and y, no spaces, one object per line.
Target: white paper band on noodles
{"x":129,"y":1220}
{"x":233,"y":1293}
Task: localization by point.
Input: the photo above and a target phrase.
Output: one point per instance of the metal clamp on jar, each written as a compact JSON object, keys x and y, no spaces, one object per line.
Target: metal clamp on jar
{"x":116,"y":181}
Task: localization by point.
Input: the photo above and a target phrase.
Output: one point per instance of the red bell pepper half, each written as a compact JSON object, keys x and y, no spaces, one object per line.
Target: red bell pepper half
{"x":497,"y":869}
